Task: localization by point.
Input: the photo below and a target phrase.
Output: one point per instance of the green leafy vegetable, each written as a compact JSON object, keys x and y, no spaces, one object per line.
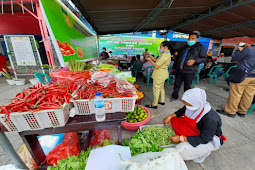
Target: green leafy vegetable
{"x":149,"y":140}
{"x":106,"y":66}
{"x":76,"y":162}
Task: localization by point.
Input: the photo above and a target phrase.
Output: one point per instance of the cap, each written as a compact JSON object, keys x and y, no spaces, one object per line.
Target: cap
{"x":98,"y":93}
{"x":241,"y":44}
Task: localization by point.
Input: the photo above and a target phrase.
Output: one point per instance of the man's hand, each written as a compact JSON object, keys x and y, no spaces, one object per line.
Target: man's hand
{"x":190,"y":62}
{"x":175,"y":139}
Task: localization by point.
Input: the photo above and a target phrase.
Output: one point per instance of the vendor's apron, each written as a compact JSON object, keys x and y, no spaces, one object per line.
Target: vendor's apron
{"x":186,"y":126}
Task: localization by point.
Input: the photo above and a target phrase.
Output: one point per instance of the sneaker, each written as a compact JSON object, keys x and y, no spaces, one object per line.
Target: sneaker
{"x":225,"y":113}
{"x":240,"y":114}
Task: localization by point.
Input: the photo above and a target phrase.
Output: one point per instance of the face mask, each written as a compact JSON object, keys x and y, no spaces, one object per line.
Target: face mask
{"x":104,"y":50}
{"x":191,"y":107}
{"x":190,"y":43}
{"x":160,"y":50}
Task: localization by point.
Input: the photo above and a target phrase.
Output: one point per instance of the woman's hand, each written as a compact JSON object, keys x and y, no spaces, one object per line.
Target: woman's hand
{"x":167,"y":120}
{"x":148,"y":59}
{"x":175,"y":139}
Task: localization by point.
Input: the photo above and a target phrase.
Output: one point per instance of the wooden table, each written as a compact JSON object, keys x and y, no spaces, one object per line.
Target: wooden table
{"x":75,"y":124}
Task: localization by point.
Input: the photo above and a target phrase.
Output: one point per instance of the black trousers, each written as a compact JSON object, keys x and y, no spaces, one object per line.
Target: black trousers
{"x":179,"y":78}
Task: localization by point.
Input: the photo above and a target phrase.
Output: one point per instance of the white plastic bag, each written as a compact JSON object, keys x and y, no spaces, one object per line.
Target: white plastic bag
{"x":9,"y":167}
{"x":108,"y":157}
{"x":168,"y":159}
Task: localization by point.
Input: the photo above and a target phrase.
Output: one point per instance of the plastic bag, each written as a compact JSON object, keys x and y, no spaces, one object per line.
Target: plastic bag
{"x":48,"y":142}
{"x":70,"y":146}
{"x":100,"y":136}
{"x":27,"y":158}
{"x":71,"y":76}
{"x":124,"y":86}
{"x":168,"y":159}
{"x":103,"y":78}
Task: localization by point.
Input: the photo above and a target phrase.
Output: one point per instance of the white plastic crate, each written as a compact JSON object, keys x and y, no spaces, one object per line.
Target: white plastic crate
{"x":112,"y":105}
{"x":24,"y":121}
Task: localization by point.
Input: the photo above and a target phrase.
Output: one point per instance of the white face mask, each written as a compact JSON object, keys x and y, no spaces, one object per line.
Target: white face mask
{"x":191,"y":107}
{"x":160,"y":50}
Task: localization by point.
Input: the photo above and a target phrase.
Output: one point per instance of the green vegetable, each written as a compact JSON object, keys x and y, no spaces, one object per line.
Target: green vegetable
{"x":106,"y":66}
{"x":78,"y":65}
{"x":76,"y":162}
{"x":149,"y":140}
{"x":6,"y":74}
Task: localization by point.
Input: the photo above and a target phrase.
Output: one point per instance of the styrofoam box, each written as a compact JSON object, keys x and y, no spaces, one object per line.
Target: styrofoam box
{"x":24,"y":121}
{"x":112,"y":105}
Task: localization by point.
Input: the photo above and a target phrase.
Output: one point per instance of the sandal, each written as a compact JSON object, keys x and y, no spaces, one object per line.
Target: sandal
{"x":150,"y":106}
{"x":161,"y":103}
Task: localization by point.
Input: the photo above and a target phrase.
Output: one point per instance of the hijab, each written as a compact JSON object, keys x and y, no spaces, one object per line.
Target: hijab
{"x":197,"y":98}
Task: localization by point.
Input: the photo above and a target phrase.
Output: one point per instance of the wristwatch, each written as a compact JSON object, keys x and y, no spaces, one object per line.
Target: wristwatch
{"x":182,"y":138}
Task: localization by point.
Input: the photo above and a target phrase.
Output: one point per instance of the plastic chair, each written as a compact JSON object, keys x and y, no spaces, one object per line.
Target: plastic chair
{"x":213,"y":73}
{"x":39,"y":77}
{"x":137,"y":68}
{"x":197,"y":73}
{"x":170,"y":75}
{"x":252,"y":107}
{"x":148,"y":74}
{"x":227,"y":72}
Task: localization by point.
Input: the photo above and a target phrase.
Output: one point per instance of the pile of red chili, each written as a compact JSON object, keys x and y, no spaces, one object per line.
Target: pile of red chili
{"x":89,"y":91}
{"x":37,"y":98}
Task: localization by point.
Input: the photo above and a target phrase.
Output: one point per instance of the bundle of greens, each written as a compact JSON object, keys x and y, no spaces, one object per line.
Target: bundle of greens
{"x":76,"y":162}
{"x":76,"y":65}
{"x":150,"y":139}
{"x":73,"y":162}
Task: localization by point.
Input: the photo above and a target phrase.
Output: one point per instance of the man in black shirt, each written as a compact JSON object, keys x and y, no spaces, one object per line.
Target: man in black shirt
{"x":187,"y":63}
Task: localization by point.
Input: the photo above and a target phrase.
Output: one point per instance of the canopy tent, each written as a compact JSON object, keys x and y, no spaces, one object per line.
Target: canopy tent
{"x":213,"y":18}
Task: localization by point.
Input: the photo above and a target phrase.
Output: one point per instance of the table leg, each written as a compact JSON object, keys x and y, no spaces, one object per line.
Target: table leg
{"x":119,"y":133}
{"x":34,"y":148}
{"x":86,"y":145}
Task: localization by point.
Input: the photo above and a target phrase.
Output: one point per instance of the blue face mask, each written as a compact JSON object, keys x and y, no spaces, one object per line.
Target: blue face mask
{"x":190,"y":43}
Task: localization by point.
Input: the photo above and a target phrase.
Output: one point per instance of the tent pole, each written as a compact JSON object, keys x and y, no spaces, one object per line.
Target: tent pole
{"x":10,"y":152}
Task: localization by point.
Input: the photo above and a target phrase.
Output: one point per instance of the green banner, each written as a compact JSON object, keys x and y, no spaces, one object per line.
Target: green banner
{"x":130,"y":45}
{"x":73,"y":37}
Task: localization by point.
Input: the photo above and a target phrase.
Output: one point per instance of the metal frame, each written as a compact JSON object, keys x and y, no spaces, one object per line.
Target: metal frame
{"x":10,"y":57}
{"x":232,"y":26}
{"x":223,"y":6}
{"x":42,"y":25}
{"x":154,"y":13}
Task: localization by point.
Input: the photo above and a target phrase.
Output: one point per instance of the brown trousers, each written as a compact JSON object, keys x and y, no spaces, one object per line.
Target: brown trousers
{"x":240,"y":96}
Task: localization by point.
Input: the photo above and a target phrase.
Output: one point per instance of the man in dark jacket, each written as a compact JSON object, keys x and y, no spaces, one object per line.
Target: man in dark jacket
{"x":187,"y":62}
{"x":241,"y":94}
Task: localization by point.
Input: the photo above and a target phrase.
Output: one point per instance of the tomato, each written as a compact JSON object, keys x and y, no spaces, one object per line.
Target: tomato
{"x":62,"y":51}
{"x":66,"y":46}
{"x":67,"y":52}
{"x":72,"y":50}
{"x":59,"y":44}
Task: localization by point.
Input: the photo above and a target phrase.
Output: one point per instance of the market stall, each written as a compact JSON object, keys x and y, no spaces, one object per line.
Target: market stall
{"x":69,"y":104}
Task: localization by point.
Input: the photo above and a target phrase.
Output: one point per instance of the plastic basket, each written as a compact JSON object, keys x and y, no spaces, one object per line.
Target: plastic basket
{"x":112,"y":105}
{"x":18,"y":122}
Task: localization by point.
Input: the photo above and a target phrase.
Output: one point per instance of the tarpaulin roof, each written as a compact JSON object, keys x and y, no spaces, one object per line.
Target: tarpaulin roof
{"x":213,"y":18}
